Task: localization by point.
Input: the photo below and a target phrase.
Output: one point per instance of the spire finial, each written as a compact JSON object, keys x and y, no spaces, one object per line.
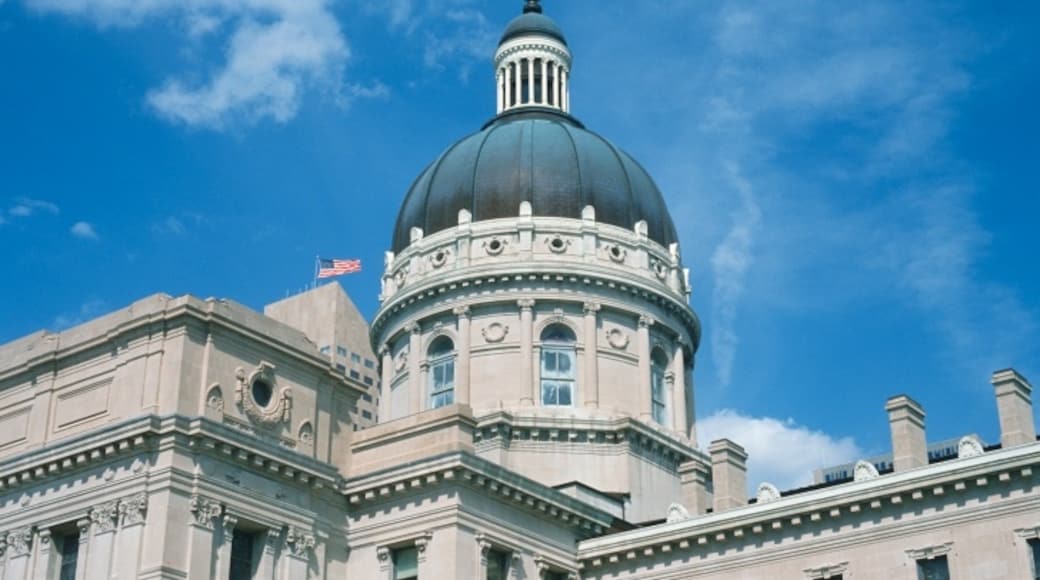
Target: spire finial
{"x":533,"y":6}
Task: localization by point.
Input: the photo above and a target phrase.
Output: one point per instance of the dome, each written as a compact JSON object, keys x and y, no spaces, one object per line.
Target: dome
{"x":544,"y":157}
{"x":532,"y":23}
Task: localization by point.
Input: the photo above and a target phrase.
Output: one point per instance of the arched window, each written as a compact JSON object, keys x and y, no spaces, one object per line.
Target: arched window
{"x":558,"y":363}
{"x":441,"y":358}
{"x":658,"y":393}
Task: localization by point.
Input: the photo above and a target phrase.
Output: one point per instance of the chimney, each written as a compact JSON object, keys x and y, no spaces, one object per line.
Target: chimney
{"x":906,"y":420}
{"x":694,"y":478}
{"x":728,"y":474}
{"x":1015,"y":407}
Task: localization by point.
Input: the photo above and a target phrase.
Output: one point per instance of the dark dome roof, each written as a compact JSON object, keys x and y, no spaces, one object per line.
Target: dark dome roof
{"x":532,"y":23}
{"x":541,"y":156}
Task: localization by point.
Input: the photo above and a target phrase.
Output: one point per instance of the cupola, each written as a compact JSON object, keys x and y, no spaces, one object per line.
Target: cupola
{"x":532,"y":63}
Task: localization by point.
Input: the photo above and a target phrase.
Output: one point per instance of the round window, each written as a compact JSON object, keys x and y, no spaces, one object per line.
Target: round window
{"x":262,"y":392}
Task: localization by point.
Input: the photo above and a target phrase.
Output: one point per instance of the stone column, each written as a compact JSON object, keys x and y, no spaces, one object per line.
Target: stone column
{"x":462,"y":394}
{"x":83,"y":553}
{"x":132,"y":517}
{"x":729,"y":474}
{"x":204,"y":514}
{"x":499,"y":84}
{"x":679,"y":394}
{"x":545,"y":82}
{"x":103,"y":532}
{"x":387,"y":378}
{"x":906,"y":421}
{"x":646,"y":401}
{"x":221,"y":561}
{"x":44,"y":557}
{"x":299,"y":546}
{"x":591,"y":382}
{"x":527,"y":382}
{"x":565,"y":102}
{"x":415,"y":356}
{"x":557,"y":69}
{"x":1015,"y":408}
{"x":19,"y":548}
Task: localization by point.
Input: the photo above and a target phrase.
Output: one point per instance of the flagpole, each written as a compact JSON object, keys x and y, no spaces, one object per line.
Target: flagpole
{"x":317,"y":266}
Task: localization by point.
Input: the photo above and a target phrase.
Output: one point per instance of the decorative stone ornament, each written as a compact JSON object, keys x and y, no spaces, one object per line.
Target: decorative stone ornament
{"x":259,"y":397}
{"x":440,"y":257}
{"x":104,"y":517}
{"x":19,"y":541}
{"x":401,"y":362}
{"x":864,"y":471}
{"x":660,"y":269}
{"x":617,"y":339}
{"x":677,"y":513}
{"x":298,"y":541}
{"x":616,"y":253}
{"x":204,"y":510}
{"x":495,"y":332}
{"x":494,"y":246}
{"x":830,"y":571}
{"x":969,"y":446}
{"x":557,"y":244}
{"x":767,"y":492}
{"x":132,"y":509}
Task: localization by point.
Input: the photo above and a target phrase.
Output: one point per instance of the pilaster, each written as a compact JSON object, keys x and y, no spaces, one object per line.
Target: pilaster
{"x":462,"y":370}
{"x":526,"y":306}
{"x":591,"y":383}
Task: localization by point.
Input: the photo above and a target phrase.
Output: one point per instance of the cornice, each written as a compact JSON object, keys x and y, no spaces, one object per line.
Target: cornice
{"x":152,"y":432}
{"x":460,"y":468}
{"x":832,"y":503}
{"x":501,"y":284}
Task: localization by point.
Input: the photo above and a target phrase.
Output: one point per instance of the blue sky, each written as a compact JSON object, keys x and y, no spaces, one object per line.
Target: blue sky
{"x":854,"y":184}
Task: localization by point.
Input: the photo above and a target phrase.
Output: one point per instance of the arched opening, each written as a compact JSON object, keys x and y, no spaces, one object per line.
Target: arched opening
{"x":441,"y":359}
{"x":658,"y":391}
{"x":558,"y":366}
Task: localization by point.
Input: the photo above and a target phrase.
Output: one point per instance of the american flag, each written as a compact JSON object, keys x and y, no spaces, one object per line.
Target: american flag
{"x":334,"y":267}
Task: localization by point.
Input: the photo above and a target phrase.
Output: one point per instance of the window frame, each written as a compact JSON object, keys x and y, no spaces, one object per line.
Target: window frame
{"x":555,"y":347}
{"x":1033,"y":544}
{"x":440,"y":361}
{"x":659,"y":387}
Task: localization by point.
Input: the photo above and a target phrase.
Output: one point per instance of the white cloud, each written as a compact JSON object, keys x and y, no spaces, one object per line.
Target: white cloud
{"x":730,"y":263}
{"x":276,"y":50}
{"x":25,"y":207}
{"x":781,"y":452}
{"x":83,"y":230}
{"x":170,"y":226}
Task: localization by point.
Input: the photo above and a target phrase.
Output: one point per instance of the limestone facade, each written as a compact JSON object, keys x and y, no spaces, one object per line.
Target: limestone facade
{"x":526,"y":411}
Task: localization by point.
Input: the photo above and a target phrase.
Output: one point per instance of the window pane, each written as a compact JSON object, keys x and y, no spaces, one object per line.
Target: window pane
{"x":548,"y":393}
{"x":565,"y":362}
{"x":406,"y":564}
{"x":497,"y":565}
{"x":549,"y":361}
{"x":934,"y":569}
{"x":564,"y":395}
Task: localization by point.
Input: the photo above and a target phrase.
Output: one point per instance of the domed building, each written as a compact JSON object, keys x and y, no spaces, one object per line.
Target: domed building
{"x":521,"y":407}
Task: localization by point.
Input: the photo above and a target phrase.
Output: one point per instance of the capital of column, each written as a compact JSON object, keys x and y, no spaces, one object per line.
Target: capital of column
{"x":132,"y":509}
{"x":104,"y":517}
{"x":413,"y":328}
{"x":298,"y":541}
{"x":461,"y":311}
{"x":592,"y":307}
{"x":44,"y":537}
{"x":646,"y":321}
{"x":19,"y":541}
{"x":525,"y":304}
{"x":669,"y":378}
{"x":384,"y":350}
{"x":204,"y":511}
